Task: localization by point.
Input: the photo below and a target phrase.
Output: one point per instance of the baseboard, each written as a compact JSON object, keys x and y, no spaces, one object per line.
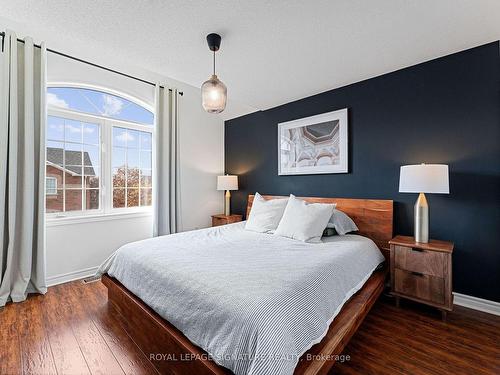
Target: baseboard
{"x":71,"y":276}
{"x":475,"y":303}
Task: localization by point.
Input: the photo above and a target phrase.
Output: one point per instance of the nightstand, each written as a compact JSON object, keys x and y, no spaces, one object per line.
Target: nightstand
{"x":422,"y":272}
{"x":225,"y":219}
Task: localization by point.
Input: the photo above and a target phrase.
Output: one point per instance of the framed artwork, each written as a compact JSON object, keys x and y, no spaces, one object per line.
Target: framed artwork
{"x":313,"y":145}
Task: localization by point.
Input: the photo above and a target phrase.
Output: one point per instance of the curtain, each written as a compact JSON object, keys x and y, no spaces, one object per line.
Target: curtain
{"x":166,"y":199}
{"x":22,"y":169}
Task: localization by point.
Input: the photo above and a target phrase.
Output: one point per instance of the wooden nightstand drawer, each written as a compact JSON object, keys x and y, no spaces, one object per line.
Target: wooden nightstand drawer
{"x":225,"y":219}
{"x":420,"y":286}
{"x":418,"y":260}
{"x":217,"y":221}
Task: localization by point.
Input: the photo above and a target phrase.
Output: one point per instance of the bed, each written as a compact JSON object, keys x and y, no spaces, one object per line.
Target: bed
{"x":222,"y":300}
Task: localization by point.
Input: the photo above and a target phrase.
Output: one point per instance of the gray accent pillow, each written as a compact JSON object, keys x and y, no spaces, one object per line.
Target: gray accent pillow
{"x":342,"y":223}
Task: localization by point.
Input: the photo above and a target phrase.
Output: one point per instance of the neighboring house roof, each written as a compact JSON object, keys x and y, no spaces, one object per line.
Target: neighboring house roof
{"x":73,"y":161}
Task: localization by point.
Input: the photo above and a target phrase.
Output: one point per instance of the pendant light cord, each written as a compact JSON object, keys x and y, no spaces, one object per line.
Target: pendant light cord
{"x":214,"y":62}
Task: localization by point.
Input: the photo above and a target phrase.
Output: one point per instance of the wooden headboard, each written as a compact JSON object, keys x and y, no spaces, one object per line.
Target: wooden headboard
{"x":372,"y":216}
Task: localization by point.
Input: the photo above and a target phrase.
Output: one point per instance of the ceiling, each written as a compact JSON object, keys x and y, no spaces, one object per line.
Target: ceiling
{"x":272,"y":52}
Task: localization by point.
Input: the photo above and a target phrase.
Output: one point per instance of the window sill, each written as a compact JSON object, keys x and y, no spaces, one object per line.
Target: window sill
{"x":71,"y":220}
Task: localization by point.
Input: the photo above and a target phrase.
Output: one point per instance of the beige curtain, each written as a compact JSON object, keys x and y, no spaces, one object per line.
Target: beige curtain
{"x":22,"y":169}
{"x":166,"y":178}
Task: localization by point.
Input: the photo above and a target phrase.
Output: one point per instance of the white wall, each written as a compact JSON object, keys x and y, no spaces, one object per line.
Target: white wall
{"x":74,"y":250}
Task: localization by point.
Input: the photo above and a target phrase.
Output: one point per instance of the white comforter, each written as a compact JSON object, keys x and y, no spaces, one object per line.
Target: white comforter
{"x":255,"y":302}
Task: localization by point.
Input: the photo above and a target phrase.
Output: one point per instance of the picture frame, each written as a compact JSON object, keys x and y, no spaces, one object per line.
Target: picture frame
{"x":314,"y":145}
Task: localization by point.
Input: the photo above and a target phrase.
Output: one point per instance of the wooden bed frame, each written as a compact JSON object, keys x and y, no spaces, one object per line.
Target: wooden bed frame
{"x":172,"y":353}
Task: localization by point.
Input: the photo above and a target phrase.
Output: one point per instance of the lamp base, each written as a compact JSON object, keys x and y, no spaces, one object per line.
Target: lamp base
{"x":421,"y":219}
{"x":227,"y":203}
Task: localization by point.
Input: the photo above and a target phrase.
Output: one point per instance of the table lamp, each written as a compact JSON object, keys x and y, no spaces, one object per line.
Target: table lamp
{"x":423,"y":178}
{"x":227,"y":183}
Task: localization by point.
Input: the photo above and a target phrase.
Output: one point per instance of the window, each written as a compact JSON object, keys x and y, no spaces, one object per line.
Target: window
{"x":132,"y":169}
{"x":51,"y":185}
{"x":99,"y":153}
{"x":73,"y":154}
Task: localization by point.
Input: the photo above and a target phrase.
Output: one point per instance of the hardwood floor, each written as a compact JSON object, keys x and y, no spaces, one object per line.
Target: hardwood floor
{"x":412,"y":339}
{"x":72,"y":330}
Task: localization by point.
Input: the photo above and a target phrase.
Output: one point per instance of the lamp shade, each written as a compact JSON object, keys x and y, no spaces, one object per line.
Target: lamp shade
{"x":213,"y":95}
{"x":227,"y":182}
{"x":424,"y":178}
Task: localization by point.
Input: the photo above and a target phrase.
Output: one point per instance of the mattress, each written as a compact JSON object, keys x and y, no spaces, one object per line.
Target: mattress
{"x":254,"y":302}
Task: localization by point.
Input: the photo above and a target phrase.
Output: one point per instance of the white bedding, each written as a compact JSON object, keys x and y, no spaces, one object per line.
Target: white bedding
{"x":255,"y":302}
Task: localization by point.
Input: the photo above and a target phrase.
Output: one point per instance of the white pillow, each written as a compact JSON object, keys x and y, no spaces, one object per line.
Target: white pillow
{"x":265,"y":215}
{"x":304,"y":221}
{"x":342,"y":223}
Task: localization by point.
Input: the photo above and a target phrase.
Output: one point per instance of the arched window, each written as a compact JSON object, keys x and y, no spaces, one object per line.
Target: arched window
{"x":98,"y":103}
{"x":99,"y":152}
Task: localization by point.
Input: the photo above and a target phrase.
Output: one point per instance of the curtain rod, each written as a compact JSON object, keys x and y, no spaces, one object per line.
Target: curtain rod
{"x":2,"y":34}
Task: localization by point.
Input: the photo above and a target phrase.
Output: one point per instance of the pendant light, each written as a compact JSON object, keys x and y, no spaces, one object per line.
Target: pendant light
{"x":213,"y":91}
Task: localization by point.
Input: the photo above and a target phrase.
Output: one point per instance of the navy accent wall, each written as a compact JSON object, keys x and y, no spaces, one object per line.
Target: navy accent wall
{"x":443,"y":111}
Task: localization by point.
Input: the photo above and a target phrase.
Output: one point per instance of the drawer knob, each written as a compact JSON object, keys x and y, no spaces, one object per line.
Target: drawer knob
{"x":419,"y":274}
{"x":417,"y":249}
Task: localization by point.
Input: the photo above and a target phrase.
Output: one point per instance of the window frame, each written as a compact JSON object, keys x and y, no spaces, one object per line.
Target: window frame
{"x":82,"y":117}
{"x":106,"y":150}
